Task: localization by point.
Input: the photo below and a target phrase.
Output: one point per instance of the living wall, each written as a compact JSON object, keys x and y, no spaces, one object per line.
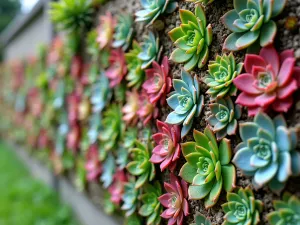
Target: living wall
{"x":183,"y":112}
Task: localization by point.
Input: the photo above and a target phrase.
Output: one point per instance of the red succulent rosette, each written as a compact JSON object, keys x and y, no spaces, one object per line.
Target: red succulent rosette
{"x":93,"y":165}
{"x":116,"y":189}
{"x":147,"y":110}
{"x":73,"y":101}
{"x":77,"y":66}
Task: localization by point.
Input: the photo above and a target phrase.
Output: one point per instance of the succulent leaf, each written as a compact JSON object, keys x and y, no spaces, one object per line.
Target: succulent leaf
{"x":123,"y":32}
{"x":201,"y":220}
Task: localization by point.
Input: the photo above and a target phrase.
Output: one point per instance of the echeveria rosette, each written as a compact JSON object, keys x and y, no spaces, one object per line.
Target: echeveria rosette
{"x":140,"y":165}
{"x":269,"y":81}
{"x":106,"y":30}
{"x":268,"y":151}
{"x":159,"y":82}
{"x":167,"y":150}
{"x":116,"y":189}
{"x":147,"y":110}
{"x":130,"y":197}
{"x":286,"y":212}
{"x":136,"y":74}
{"x":251,"y":21}
{"x":242,"y":208}
{"x":151,"y":207}
{"x":152,"y":9}
{"x":175,"y":200}
{"x":222,"y":72}
{"x":130,"y":109}
{"x":123,"y":32}
{"x":93,"y":165}
{"x":208,"y":168}
{"x":224,"y":117}
{"x":192,"y":39}
{"x":201,"y":220}
{"x":186,"y":101}
{"x":151,"y":50}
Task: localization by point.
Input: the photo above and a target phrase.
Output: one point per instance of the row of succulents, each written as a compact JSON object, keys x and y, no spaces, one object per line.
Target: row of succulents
{"x":98,"y":117}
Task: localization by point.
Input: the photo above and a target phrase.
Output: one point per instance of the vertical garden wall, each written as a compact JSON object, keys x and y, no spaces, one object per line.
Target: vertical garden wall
{"x":167,"y":112}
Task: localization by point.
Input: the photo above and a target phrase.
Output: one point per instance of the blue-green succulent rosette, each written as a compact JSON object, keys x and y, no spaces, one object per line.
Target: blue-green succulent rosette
{"x":186,"y":101}
{"x":268,"y":151}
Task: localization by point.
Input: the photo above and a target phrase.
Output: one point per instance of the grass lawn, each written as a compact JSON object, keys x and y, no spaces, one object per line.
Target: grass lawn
{"x":25,"y":200}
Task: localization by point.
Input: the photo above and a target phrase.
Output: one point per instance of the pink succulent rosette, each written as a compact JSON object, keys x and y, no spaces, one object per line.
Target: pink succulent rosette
{"x":116,"y":189}
{"x":130,"y":116}
{"x":106,"y":30}
{"x":93,"y":165}
{"x":175,"y":201}
{"x":147,"y":110}
{"x":73,"y":138}
{"x":77,"y":66}
{"x":73,"y":101}
{"x":167,"y":150}
{"x":159,"y":82}
{"x":35,"y":102}
{"x":269,"y":81}
{"x":117,"y":69}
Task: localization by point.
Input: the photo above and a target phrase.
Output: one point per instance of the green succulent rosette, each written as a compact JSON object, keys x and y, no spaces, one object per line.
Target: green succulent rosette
{"x":222,"y":72}
{"x":242,"y":208}
{"x":192,"y":39}
{"x":286,"y":212}
{"x":130,"y":197}
{"x":201,"y":220}
{"x":208,"y":168}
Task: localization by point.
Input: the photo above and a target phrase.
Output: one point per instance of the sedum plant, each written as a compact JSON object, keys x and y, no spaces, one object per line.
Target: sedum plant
{"x":241,"y":208}
{"x":222,"y":72}
{"x":269,"y":81}
{"x":186,"y":102}
{"x":251,"y":21}
{"x":105,"y":30}
{"x":175,"y":200}
{"x":130,"y":197}
{"x":208,"y":168}
{"x":123,"y":32}
{"x":167,"y":150}
{"x":192,"y":39}
{"x":268,"y":151}
{"x":286,"y":211}
{"x":201,"y":220}
{"x":224,"y":117}
{"x":130,"y":109}
{"x":136,"y":74}
{"x":159,"y":82}
{"x":151,"y":207}
{"x":151,"y":50}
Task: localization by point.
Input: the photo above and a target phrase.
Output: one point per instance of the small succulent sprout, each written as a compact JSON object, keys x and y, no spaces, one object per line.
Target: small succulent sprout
{"x":201,"y":220}
{"x":123,"y":32}
{"x":222,"y":71}
{"x":186,"y":101}
{"x":151,"y":207}
{"x":152,"y":9}
{"x":192,"y":39}
{"x":130,"y":197}
{"x":251,"y":21}
{"x":106,"y":30}
{"x":117,"y":69}
{"x":93,"y":165}
{"x":151,"y":50}
{"x":140,"y":165}
{"x":159,"y":82}
{"x":147,"y":110}
{"x":269,"y":81}
{"x":242,"y":208}
{"x":167,"y":150}
{"x":224,"y":117}
{"x":268,"y":151}
{"x":175,"y":200}
{"x":116,"y":189}
{"x":208,"y":168}
{"x":130,"y":109}
{"x":286,"y":212}
{"x":136,"y":74}
{"x":291,"y":23}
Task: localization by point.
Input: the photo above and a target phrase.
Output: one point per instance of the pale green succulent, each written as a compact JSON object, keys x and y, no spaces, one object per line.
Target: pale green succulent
{"x":201,"y":220}
{"x":130,"y":197}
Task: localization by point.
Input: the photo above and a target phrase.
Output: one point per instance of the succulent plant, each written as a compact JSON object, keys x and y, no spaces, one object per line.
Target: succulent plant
{"x":117,"y":69}
{"x":224,"y":117}
{"x":106,"y":30}
{"x":268,"y":151}
{"x":286,"y":212}
{"x":205,"y":2}
{"x":93,"y":165}
{"x":175,"y":200}
{"x":116,"y":189}
{"x":201,"y":220}
{"x":136,"y":74}
{"x":186,"y":102}
{"x":84,"y":109}
{"x":130,"y":197}
{"x":73,"y":137}
{"x":123,"y":32}
{"x":76,"y":66}
{"x":192,"y":39}
{"x":92,"y":44}
{"x":208,"y":168}
{"x":151,"y":50}
{"x":133,"y":219}
{"x":73,"y":102}
{"x":131,"y":108}
{"x":222,"y":71}
{"x":108,"y":170}
{"x":140,"y":165}
{"x":146,"y":111}
{"x":152,"y":9}
{"x":268,"y":81}
{"x":242,"y":208}
{"x":251,"y":21}
{"x":167,"y":150}
{"x":151,"y":207}
{"x":159,"y":82}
